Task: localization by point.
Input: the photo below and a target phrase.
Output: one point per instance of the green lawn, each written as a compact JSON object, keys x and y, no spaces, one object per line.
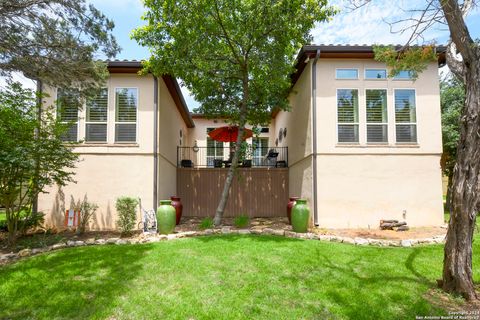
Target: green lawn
{"x":224,"y":277}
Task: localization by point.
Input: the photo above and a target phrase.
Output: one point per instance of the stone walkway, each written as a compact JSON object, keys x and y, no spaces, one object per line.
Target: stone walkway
{"x":259,"y":226}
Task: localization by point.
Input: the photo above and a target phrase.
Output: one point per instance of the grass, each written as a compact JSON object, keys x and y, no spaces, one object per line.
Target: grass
{"x":224,"y":277}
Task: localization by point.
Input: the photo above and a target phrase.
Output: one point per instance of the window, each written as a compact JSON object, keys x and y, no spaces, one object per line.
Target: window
{"x":405,"y":117}
{"x":403,"y":75}
{"x":214,"y":149}
{"x":375,"y":74}
{"x":346,"y":73}
{"x":68,"y":104}
{"x":96,"y":119}
{"x":347,"y":115}
{"x":260,"y":150}
{"x":126,"y":100}
{"x":377,"y":121}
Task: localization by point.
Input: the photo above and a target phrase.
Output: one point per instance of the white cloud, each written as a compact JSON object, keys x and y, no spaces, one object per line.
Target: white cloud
{"x":369,"y":24}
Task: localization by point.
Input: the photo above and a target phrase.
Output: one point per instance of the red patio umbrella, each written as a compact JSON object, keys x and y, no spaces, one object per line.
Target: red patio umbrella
{"x":229,"y":134}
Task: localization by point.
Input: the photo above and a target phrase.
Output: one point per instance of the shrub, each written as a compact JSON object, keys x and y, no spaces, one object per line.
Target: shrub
{"x":31,"y":221}
{"x":241,"y":221}
{"x":206,"y":223}
{"x":87,"y":211}
{"x":126,"y":209}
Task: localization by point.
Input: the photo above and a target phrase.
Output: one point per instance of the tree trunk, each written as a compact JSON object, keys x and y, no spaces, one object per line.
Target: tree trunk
{"x":228,"y":182}
{"x":448,"y":199}
{"x":457,"y":264}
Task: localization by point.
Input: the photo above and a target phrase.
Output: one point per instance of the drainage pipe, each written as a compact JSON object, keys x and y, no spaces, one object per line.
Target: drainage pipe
{"x":314,"y":132}
{"x":155,"y":142}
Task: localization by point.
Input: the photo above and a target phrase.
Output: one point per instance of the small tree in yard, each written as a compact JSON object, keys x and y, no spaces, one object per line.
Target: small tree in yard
{"x":22,"y":157}
{"x":87,"y":211}
{"x":126,"y":209}
{"x":234,"y":56}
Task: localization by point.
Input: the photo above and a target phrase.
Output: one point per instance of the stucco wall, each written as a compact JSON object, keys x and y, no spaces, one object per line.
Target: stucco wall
{"x":110,"y":170}
{"x":360,"y":190}
{"x":170,"y":125}
{"x":298,"y":122}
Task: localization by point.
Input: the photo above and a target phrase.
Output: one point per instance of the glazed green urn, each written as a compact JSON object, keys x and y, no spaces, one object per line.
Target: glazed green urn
{"x":300,"y":216}
{"x":166,"y":217}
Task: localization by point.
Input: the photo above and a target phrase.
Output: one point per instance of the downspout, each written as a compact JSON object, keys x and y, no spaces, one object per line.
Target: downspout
{"x":155,"y":142}
{"x":36,"y":136}
{"x":314,"y":132}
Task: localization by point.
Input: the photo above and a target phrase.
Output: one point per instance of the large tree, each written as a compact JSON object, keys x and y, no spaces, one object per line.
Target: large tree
{"x":55,"y":41}
{"x":463,"y":59}
{"x":234,"y":56}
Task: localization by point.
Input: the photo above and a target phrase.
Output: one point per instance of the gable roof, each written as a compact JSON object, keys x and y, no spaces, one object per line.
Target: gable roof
{"x":133,"y":66}
{"x":344,"y":52}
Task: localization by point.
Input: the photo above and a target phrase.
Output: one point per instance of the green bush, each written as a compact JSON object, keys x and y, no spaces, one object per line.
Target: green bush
{"x":206,"y":223}
{"x":31,"y":221}
{"x":126,"y":209}
{"x":241,"y":221}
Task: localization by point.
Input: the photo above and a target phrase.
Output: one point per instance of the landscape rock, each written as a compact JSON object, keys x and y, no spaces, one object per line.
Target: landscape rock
{"x":121,"y":241}
{"x":290,"y":234}
{"x":58,"y":246}
{"x":171,"y":236}
{"x":278,"y":232}
{"x":267,"y":231}
{"x":70,"y":243}
{"x":244,"y":231}
{"x":256,"y":231}
{"x":7,"y":256}
{"x":79,"y":243}
{"x":226,"y":230}
{"x":100,"y":241}
{"x":112,"y":240}
{"x":348,"y":240}
{"x":208,"y":231}
{"x":406,"y":243}
{"x":25,"y":252}
{"x":360,"y":241}
{"x":90,"y":241}
{"x":324,"y":237}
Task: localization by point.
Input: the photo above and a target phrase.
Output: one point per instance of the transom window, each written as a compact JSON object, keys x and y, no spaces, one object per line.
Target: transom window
{"x":346,"y":73}
{"x":126,"y":104}
{"x":375,"y":74}
{"x":347,"y":115}
{"x":68,"y":104}
{"x":403,"y":75}
{"x":96,"y":117}
{"x":377,"y":120}
{"x":405,"y":116}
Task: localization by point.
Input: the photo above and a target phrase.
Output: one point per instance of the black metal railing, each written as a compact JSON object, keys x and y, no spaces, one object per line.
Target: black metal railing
{"x":221,"y":157}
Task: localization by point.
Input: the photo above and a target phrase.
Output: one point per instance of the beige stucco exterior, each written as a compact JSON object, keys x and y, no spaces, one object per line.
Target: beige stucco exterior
{"x":357,"y":184}
{"x":110,"y":170}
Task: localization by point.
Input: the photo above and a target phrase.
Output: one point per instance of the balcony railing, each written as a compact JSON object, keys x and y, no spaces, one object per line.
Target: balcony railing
{"x":221,"y":157}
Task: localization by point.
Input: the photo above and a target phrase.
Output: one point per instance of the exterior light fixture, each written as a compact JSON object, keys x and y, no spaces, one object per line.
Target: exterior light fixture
{"x":195,"y":147}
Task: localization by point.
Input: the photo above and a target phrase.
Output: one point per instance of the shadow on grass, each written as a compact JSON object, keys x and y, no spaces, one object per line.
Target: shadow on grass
{"x":74,"y":283}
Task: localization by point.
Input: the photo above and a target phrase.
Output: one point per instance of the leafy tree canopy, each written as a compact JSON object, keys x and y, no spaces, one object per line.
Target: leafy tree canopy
{"x":234,"y":56}
{"x":55,"y":41}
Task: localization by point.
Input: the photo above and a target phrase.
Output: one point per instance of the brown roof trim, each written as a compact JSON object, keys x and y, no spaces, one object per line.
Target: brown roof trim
{"x":126,"y":66}
{"x":344,"y":52}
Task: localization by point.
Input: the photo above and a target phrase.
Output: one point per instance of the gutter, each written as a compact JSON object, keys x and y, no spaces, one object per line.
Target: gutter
{"x":314,"y":140}
{"x":155,"y":142}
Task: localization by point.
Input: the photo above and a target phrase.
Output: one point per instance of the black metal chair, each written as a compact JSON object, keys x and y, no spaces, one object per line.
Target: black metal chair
{"x":186,"y":163}
{"x":272,"y":156}
{"x":217,"y":163}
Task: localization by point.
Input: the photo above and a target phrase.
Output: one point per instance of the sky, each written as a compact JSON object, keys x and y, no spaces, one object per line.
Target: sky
{"x":367,"y":25}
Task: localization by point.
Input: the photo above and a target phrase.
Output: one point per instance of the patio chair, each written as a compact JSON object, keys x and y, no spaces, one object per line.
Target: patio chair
{"x":217,"y":163}
{"x":271,"y":157}
{"x":186,"y":163}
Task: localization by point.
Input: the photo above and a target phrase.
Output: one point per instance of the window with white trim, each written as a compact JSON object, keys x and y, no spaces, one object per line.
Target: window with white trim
{"x":372,"y":74}
{"x":347,"y":115}
{"x":126,"y":104}
{"x":96,"y":117}
{"x":260,"y":150}
{"x":346,"y":74}
{"x":377,"y":120}
{"x":405,"y":116}
{"x":68,"y":104}
{"x":215,"y":149}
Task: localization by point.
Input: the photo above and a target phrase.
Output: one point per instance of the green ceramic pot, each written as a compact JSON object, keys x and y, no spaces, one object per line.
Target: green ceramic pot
{"x":166,"y":217}
{"x":300,"y":216}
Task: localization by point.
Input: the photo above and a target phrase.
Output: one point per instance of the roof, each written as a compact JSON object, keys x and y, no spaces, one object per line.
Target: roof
{"x":346,"y":51}
{"x":133,"y":66}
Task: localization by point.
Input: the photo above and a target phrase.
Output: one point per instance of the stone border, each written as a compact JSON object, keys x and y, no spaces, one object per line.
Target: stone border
{"x":151,"y":238}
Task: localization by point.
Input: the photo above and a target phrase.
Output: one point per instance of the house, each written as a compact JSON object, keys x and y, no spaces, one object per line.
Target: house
{"x":359,"y":146}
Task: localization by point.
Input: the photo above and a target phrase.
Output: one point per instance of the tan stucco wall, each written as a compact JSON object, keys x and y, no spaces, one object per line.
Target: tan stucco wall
{"x":170,"y":124}
{"x":107,"y":171}
{"x":298,"y":123}
{"x":360,"y":190}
